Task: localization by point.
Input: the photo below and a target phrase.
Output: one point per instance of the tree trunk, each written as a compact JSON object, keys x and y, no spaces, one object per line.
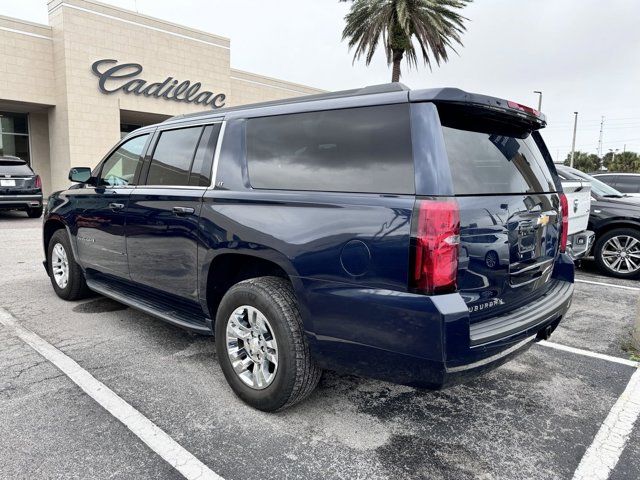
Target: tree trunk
{"x":397,"y":58}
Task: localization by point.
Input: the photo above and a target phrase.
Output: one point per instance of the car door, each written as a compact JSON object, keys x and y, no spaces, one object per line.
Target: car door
{"x":163,"y":215}
{"x":101,"y":209}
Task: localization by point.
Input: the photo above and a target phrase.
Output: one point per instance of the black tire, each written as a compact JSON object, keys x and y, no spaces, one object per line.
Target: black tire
{"x":76,"y":287}
{"x":599,"y":247}
{"x":34,"y":212}
{"x":297,"y":374}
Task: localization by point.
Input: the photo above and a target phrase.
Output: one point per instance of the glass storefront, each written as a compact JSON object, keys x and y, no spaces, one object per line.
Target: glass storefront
{"x":14,"y":135}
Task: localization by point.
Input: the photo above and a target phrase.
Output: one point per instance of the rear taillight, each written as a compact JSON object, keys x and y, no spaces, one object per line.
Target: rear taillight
{"x":523,"y":108}
{"x":564,"y":210}
{"x":38,"y":182}
{"x":435,"y":240}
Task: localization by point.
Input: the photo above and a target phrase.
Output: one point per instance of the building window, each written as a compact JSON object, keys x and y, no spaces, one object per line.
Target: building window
{"x":14,"y":135}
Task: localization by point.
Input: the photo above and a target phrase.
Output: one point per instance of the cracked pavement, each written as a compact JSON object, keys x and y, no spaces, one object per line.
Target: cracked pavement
{"x":531,"y":418}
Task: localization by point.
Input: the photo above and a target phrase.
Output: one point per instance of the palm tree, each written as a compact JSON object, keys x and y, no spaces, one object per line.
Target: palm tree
{"x":434,"y":23}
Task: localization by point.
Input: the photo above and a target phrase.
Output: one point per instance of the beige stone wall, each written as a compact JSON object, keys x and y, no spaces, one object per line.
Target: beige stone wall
{"x":251,"y":88}
{"x":51,"y":66}
{"x":88,"y":31}
{"x":26,"y":69}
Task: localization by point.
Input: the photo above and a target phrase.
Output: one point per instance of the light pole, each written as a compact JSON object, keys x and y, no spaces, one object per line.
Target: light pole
{"x":573,"y":143}
{"x":613,"y":154}
{"x":539,"y":99}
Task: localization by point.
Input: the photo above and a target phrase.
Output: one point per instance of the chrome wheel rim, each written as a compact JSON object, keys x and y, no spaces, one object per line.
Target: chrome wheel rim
{"x":622,"y":254}
{"x":491,"y":260}
{"x":60,"y":265}
{"x":252,"y":347}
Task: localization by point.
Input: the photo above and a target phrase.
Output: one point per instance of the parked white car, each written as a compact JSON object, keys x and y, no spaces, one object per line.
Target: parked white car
{"x":580,"y":240}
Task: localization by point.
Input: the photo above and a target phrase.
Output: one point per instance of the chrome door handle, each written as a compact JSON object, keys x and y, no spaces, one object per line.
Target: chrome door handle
{"x":116,"y":207}
{"x":183,"y":210}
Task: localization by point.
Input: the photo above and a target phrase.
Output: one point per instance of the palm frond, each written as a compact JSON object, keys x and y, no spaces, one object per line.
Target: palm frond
{"x":435,"y":26}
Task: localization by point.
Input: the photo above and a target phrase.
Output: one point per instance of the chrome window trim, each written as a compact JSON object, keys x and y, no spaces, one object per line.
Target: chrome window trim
{"x":216,"y":157}
{"x":161,"y":127}
{"x":175,"y":187}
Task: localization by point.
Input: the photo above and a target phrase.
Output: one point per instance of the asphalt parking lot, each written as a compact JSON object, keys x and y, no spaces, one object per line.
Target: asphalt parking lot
{"x":538,"y":417}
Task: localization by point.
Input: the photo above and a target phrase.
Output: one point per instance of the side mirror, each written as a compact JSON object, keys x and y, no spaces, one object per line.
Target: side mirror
{"x":80,"y":174}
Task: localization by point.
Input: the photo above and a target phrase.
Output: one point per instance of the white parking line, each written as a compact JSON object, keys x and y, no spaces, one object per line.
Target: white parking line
{"x":604,"y":452}
{"x":623,"y":287}
{"x":588,"y":353}
{"x":161,"y":443}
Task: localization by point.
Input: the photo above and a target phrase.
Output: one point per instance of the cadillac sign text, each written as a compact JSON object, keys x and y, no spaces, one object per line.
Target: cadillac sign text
{"x":124,"y":77}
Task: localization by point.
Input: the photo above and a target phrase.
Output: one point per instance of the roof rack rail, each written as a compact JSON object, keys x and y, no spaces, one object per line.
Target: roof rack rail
{"x":369,"y":90}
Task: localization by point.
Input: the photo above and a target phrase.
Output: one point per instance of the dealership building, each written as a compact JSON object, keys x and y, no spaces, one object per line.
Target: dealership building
{"x":69,"y":90}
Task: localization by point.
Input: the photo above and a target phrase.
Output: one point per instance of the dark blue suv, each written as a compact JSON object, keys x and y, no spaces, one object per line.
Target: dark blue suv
{"x":411,"y":236}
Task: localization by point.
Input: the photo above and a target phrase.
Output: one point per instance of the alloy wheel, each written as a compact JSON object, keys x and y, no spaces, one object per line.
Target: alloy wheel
{"x":252,"y":347}
{"x":622,"y":254}
{"x":60,"y":265}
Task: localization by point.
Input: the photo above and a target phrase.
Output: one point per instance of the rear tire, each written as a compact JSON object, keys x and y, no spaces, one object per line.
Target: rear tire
{"x":618,"y":253}
{"x":34,"y":212}
{"x":66,"y":275}
{"x":294,"y":375}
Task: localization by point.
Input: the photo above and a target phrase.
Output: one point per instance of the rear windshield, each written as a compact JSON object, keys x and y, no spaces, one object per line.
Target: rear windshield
{"x":13,"y":168}
{"x":495,"y":163}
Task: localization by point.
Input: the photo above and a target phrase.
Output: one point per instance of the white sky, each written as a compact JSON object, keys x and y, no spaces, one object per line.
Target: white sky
{"x":583,"y":54}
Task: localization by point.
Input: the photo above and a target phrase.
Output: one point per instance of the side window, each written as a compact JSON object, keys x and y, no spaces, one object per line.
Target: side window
{"x":203,"y":161}
{"x":627,"y":183}
{"x":121,"y":167}
{"x":173,"y":156}
{"x":608,"y":179}
{"x":366,"y":150}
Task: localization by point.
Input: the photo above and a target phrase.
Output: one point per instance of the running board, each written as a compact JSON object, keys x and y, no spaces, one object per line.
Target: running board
{"x":162,"y":311}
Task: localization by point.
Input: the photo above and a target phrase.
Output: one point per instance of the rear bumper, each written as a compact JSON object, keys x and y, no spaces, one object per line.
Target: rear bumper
{"x":425,"y":341}
{"x":579,"y":244}
{"x":20,"y":201}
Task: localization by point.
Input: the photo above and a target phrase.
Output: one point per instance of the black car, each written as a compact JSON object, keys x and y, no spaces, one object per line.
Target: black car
{"x":20,"y":188}
{"x":328,"y":232}
{"x":615,"y":219}
{"x":627,"y":183}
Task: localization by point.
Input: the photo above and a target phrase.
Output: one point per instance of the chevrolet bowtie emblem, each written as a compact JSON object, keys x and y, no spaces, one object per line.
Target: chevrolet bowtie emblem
{"x":543,"y":220}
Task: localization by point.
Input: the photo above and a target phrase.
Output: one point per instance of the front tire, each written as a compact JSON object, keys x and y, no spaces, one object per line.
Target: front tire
{"x":618,"y":253}
{"x":66,"y":275}
{"x":261,"y":345}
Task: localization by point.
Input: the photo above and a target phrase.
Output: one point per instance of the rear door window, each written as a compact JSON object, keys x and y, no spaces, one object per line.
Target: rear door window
{"x":496,"y":163}
{"x":365,"y":150}
{"x":627,"y":183}
{"x":173,"y":156}
{"x":608,"y":179}
{"x":203,"y":161}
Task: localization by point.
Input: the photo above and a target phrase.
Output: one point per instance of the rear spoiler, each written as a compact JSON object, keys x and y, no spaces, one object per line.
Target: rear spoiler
{"x":516,"y":113}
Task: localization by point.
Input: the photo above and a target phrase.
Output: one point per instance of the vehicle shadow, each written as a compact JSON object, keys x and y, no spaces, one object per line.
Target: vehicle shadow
{"x":13,"y":215}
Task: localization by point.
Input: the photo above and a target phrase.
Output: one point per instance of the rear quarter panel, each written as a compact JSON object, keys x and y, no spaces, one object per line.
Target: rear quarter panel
{"x":322,"y":240}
